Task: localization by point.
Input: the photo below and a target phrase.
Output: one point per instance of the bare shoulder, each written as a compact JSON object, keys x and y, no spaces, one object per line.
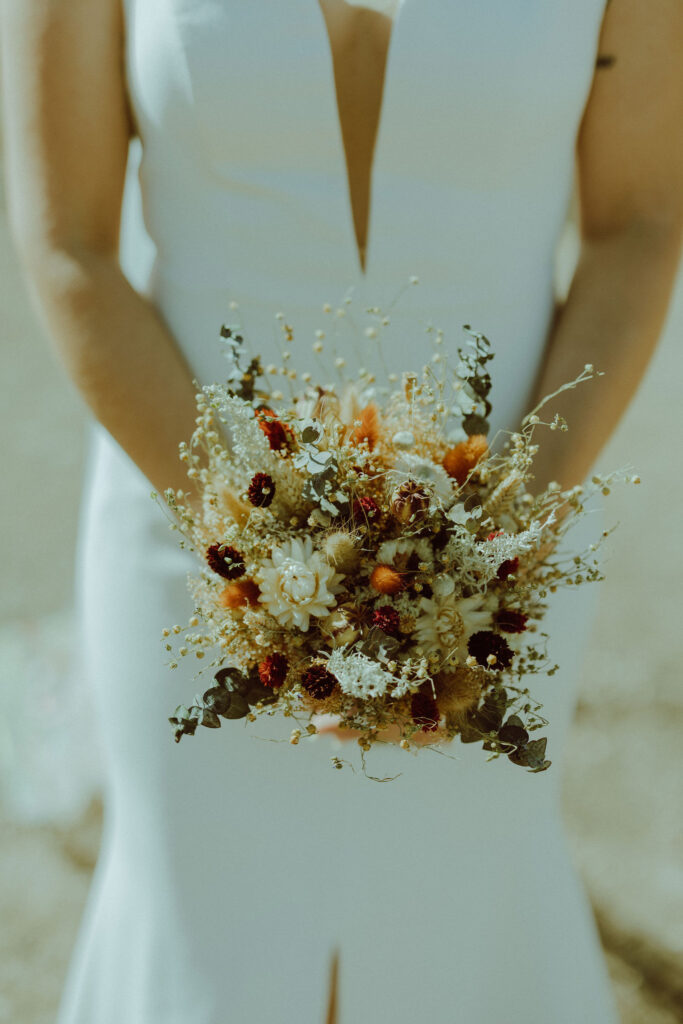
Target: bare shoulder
{"x":630,"y":145}
{"x":67,"y":119}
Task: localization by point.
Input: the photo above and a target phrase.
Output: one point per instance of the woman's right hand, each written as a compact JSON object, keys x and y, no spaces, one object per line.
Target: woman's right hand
{"x":67,"y":126}
{"x":329,"y":725}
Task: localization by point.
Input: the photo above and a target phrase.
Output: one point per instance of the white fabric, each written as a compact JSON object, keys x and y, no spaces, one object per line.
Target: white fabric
{"x":232,"y":866}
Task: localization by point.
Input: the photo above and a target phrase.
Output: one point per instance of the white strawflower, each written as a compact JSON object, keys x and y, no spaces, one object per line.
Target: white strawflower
{"x":297,"y":583}
{"x":447,"y":621}
{"x":358,"y":676}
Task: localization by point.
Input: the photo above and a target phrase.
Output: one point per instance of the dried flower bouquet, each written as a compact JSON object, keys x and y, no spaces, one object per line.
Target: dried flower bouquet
{"x":373,"y":558}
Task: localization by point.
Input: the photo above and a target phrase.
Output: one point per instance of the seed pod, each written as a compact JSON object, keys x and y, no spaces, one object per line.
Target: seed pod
{"x":409,"y":501}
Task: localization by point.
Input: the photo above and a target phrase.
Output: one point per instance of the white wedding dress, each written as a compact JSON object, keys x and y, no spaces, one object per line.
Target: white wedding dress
{"x":232,"y":867}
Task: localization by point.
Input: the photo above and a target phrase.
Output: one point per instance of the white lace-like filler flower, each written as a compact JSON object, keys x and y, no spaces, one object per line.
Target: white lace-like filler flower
{"x":447,"y":621}
{"x":358,"y":676}
{"x":297,"y":583}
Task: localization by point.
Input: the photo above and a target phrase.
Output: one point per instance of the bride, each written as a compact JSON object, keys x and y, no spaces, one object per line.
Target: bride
{"x":291,"y":152}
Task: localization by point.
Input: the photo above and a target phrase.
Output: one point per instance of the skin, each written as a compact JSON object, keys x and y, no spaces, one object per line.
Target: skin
{"x":359,"y":44}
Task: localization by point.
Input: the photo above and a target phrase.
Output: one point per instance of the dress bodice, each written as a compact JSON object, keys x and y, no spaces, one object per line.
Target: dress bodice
{"x":245,"y":195}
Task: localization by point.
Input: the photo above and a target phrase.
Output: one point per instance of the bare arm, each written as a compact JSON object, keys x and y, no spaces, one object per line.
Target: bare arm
{"x":67,"y":130}
{"x":630,"y":179}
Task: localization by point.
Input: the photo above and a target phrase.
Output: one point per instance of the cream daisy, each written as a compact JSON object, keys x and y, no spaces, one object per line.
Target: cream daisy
{"x":297,"y":583}
{"x":446,"y":621}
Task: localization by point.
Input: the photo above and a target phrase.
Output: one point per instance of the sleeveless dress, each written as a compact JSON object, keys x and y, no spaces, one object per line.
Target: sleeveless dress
{"x":232,"y":866}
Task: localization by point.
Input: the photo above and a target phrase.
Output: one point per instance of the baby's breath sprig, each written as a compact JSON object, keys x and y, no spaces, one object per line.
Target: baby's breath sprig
{"x":588,"y":373}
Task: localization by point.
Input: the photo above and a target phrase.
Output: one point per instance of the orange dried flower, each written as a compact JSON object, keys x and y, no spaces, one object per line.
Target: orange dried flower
{"x":459,"y":461}
{"x":368,"y":428}
{"x":239,"y":595}
{"x":385,"y":580}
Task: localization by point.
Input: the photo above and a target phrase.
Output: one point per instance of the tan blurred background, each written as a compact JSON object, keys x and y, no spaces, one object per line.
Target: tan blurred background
{"x":623,"y":791}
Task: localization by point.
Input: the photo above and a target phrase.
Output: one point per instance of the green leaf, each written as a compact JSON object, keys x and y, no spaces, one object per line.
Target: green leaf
{"x":513,"y":732}
{"x":210,"y":719}
{"x":475,"y":424}
{"x":218,"y":699}
{"x":239,"y":707}
{"x":489,"y":717}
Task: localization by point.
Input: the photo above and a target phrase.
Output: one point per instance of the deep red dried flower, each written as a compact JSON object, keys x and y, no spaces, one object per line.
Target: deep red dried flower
{"x":225,"y":561}
{"x":507,"y":568}
{"x":276,"y":431}
{"x":486,"y":642}
{"x":273,"y":669}
{"x":318,"y":682}
{"x":510,"y":620}
{"x":424,"y":711}
{"x":261,"y":490}
{"x":387,"y":619}
{"x":365,"y":508}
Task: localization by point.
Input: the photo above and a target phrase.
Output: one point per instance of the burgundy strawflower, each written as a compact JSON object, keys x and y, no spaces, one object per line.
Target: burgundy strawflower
{"x":507,"y":568}
{"x":273,"y":428}
{"x":510,"y":620}
{"x":424,"y":711}
{"x":261,"y":490}
{"x":486,"y":642}
{"x":387,"y":619}
{"x":273,"y":669}
{"x":365,"y":508}
{"x":225,"y":561}
{"x":318,"y":682}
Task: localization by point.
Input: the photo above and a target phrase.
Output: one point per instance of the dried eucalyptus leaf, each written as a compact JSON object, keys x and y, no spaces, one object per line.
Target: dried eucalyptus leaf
{"x":511,"y":733}
{"x":473,"y":423}
{"x":239,"y":707}
{"x":489,"y":717}
{"x":328,"y":507}
{"x":185,"y":720}
{"x":226,"y":676}
{"x":210,"y":719}
{"x":218,"y":699}
{"x":536,"y":749}
{"x":469,"y":733}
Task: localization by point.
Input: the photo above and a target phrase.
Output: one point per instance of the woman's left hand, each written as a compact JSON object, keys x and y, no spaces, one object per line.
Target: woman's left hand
{"x":329,"y":724}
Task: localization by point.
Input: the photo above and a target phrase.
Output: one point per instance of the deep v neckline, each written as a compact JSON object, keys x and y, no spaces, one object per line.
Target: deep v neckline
{"x":334,"y":113}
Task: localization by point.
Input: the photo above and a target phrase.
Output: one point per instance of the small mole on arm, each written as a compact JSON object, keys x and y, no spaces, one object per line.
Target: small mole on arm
{"x":605,"y":61}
